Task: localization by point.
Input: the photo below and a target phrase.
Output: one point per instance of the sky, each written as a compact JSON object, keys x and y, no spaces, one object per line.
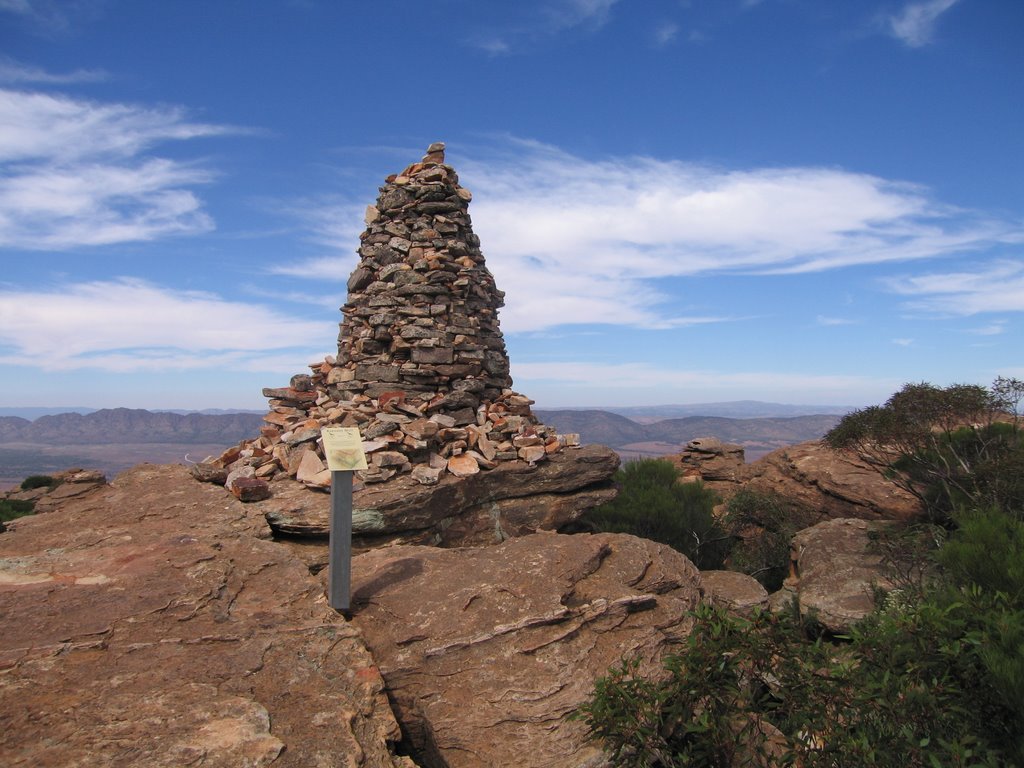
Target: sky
{"x":689,"y":201}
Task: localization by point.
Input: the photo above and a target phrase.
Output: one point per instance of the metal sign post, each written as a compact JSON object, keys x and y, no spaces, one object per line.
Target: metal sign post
{"x":339,"y":587}
{"x":343,"y":448}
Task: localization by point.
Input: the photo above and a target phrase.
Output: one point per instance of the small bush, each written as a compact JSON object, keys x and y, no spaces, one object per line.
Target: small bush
{"x":653,"y":504}
{"x":11,"y":509}
{"x":910,"y":690}
{"x":763,"y":525}
{"x":39,"y":481}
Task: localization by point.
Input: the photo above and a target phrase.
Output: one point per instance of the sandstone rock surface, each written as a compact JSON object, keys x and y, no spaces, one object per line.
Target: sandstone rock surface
{"x":486,"y":651}
{"x":72,"y":484}
{"x":835,"y":572}
{"x":834,"y":484}
{"x":737,"y":592}
{"x":152,"y":622}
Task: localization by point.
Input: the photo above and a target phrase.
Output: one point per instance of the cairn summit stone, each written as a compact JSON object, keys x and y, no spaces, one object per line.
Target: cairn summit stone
{"x":421,"y":367}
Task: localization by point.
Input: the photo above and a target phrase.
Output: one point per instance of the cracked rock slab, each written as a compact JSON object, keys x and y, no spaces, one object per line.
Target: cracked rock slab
{"x":153,"y":623}
{"x":486,"y":652}
{"x":514,"y":499}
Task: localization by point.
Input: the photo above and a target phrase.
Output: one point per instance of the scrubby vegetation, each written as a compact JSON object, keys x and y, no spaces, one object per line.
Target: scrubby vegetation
{"x":39,"y":481}
{"x":752,"y":537}
{"x":10,"y":509}
{"x":952,"y":447}
{"x":14,"y":508}
{"x":652,"y":503}
{"x":933,"y":678}
{"x":761,"y":526}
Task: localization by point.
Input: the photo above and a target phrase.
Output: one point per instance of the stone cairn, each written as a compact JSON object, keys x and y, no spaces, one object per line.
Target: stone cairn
{"x":421,"y":368}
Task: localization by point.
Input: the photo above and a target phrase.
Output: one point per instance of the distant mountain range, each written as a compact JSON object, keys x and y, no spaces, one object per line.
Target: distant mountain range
{"x":631,"y":438}
{"x":112,"y":439}
{"x":130,"y":425}
{"x":734,"y":409}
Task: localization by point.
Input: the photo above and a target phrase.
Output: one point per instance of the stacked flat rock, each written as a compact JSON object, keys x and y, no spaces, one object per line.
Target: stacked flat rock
{"x":421,"y":368}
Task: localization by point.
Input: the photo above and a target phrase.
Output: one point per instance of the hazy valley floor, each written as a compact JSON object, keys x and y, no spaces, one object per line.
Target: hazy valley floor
{"x":20,"y":460}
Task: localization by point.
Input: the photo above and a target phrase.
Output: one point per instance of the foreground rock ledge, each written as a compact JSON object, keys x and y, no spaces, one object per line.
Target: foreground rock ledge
{"x":487,"y":651}
{"x":152,"y":623}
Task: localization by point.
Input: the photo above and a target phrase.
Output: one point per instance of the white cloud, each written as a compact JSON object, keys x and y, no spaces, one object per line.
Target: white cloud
{"x":574,"y":241}
{"x":995,"y":328}
{"x":130,"y":325}
{"x":76,"y":172}
{"x":51,"y":17}
{"x":566,"y":14}
{"x":546,"y":19}
{"x":903,"y":342}
{"x":828,"y":321}
{"x":637,"y":381}
{"x":12,"y":71}
{"x":915,"y":24}
{"x":998,"y":287}
{"x":666,"y":33}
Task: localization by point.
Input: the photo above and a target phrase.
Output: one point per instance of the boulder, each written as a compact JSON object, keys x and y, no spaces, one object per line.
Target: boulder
{"x":709,"y":458}
{"x":154,"y":623}
{"x":835,"y":572}
{"x":486,"y":652}
{"x":736,"y":592}
{"x":836,"y":484}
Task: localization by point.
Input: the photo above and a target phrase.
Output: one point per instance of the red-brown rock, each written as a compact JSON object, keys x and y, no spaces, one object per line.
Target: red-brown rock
{"x":154,"y":623}
{"x":487,"y":651}
{"x":835,"y":572}
{"x":249,"y":489}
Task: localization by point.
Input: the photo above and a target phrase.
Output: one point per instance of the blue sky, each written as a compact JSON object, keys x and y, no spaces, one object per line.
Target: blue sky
{"x":788,"y":200}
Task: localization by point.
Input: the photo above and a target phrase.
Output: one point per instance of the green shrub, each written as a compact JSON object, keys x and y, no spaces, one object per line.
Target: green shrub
{"x":955,"y":446}
{"x":933,"y":678}
{"x":762,"y":525}
{"x":910,"y":690}
{"x":653,"y":504}
{"x":11,"y":509}
{"x":39,"y":481}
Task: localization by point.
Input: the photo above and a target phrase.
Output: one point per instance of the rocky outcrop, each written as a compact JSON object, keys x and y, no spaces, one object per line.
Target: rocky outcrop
{"x":835,"y":572}
{"x":711,"y":460}
{"x":69,"y":484}
{"x":153,"y":622}
{"x":422,"y":373}
{"x":835,"y":484}
{"x":487,"y":651}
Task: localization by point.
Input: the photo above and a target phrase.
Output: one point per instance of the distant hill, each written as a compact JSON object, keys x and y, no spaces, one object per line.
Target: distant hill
{"x":129,"y":425}
{"x":630,"y":438}
{"x":734,"y":409}
{"x":113,"y":439}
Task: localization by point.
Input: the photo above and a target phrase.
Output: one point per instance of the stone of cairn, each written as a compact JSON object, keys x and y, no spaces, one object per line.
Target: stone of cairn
{"x":421,"y":368}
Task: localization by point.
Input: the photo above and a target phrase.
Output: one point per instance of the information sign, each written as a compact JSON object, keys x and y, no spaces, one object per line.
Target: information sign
{"x":343,"y":448}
